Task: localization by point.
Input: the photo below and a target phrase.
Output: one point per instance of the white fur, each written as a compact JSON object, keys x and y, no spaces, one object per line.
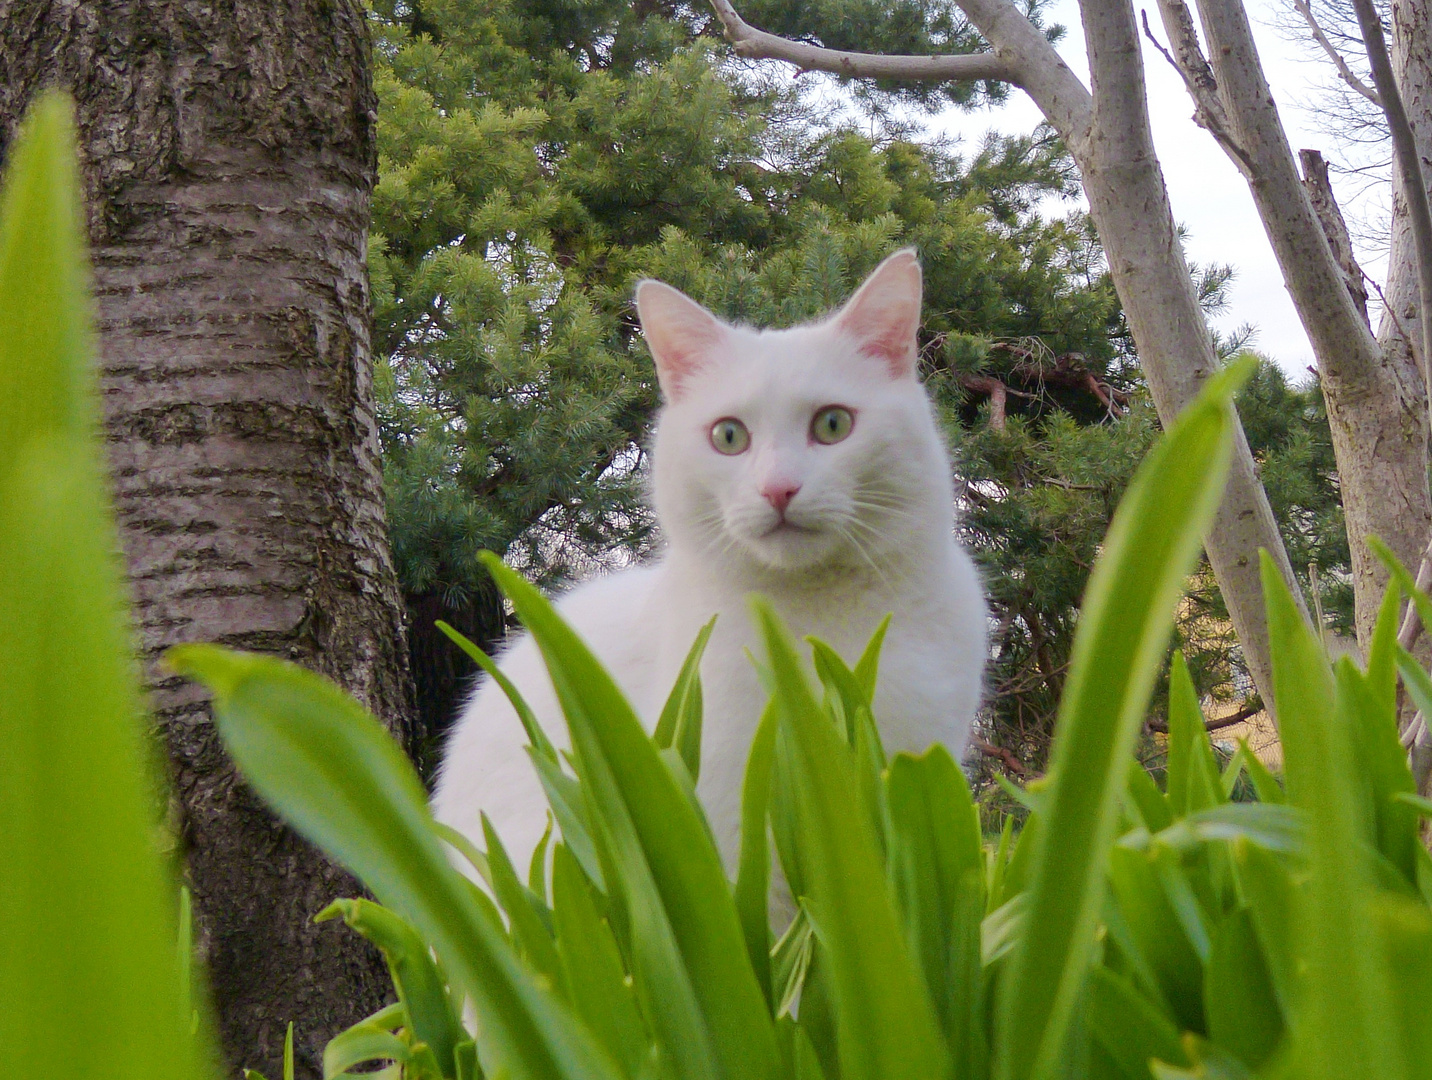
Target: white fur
{"x":875,"y":535}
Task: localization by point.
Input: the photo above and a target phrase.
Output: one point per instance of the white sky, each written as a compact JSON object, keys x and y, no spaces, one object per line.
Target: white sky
{"x":1209,"y":196}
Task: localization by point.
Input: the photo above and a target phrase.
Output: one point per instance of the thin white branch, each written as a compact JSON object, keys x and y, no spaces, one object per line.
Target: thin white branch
{"x":1187,"y":59}
{"x":759,"y":45}
{"x":1404,"y":146}
{"x":1305,"y":9}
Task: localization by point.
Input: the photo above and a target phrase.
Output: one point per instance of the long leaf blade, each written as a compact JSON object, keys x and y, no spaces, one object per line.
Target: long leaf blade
{"x":1127,"y":617}
{"x":90,"y":977}
{"x":661,"y":834}
{"x":885,"y":1023}
{"x":332,"y":772}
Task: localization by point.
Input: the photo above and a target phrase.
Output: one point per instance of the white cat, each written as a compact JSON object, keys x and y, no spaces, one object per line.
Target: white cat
{"x":804,"y":464}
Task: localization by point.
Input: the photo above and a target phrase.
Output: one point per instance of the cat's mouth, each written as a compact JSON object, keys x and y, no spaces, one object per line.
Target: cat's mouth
{"x":788,"y":528}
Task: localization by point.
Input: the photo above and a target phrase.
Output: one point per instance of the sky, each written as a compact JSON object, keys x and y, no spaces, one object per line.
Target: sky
{"x":1210,"y":198}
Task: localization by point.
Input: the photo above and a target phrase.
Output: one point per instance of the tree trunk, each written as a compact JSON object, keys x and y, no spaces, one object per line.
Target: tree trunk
{"x":1128,"y":201}
{"x":229,"y":158}
{"x":1376,"y":404}
{"x":1401,"y":323}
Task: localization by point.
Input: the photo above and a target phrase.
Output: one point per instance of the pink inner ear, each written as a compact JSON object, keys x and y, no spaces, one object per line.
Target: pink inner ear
{"x":884,"y":314}
{"x":883,"y":340}
{"x":681,"y":333}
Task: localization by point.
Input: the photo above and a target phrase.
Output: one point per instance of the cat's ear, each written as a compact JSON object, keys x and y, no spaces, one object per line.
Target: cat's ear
{"x":681,"y":333}
{"x":884,"y":314}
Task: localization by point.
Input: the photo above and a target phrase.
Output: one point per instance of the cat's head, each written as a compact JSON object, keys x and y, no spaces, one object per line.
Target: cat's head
{"x":800,"y":448}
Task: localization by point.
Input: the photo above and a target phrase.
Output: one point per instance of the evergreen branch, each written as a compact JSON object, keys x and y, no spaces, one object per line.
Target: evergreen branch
{"x":758,"y":45}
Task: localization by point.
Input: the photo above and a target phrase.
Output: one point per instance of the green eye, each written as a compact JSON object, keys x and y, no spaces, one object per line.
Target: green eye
{"x":729,"y":436}
{"x":831,"y":424}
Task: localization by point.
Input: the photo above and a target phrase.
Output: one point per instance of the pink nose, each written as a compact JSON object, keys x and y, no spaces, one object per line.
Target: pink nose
{"x":780,"y":493}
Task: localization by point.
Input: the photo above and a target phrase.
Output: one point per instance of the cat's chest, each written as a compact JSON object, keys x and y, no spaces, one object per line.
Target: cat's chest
{"x":918,"y":645}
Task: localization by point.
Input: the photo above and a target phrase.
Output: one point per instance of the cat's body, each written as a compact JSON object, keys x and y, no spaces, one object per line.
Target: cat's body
{"x":839,"y":519}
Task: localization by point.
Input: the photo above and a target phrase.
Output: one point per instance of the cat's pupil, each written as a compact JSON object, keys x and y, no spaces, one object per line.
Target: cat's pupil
{"x":730,"y":436}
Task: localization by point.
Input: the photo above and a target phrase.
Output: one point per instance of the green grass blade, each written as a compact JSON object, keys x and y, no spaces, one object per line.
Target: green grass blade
{"x":1269,"y":825}
{"x":1127,"y":616}
{"x":90,"y":977}
{"x":680,"y":721}
{"x":466,"y":848}
{"x":330,"y":770}
{"x":1264,"y":782}
{"x":936,"y":866}
{"x":885,"y":1023}
{"x":1265,"y":881}
{"x":1243,"y":1012}
{"x":530,"y":931}
{"x":1131,"y":1028}
{"x":1380,"y":765}
{"x":790,"y":961}
{"x":655,"y":829}
{"x":1233,"y":771}
{"x":842,"y":689}
{"x":1151,"y":803}
{"x":420,"y":988}
{"x":592,"y":974}
{"x":358,"y":1046}
{"x":535,"y":735}
{"x":569,"y":808}
{"x":868,"y":666}
{"x":537,"y":865}
{"x":1193,"y":780}
{"x":753,"y":872}
{"x":1347,"y":1026}
{"x":1405,"y":580}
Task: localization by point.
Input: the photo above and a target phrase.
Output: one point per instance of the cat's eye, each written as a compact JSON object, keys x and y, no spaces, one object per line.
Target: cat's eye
{"x":729,"y":436}
{"x":831,"y":424}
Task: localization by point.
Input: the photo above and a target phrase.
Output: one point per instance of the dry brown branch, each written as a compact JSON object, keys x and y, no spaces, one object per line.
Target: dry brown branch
{"x":998,"y":396}
{"x":1001,"y":754}
{"x":1246,"y":712}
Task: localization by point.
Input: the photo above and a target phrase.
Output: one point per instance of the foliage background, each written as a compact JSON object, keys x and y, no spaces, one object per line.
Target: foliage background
{"x":538,"y":157}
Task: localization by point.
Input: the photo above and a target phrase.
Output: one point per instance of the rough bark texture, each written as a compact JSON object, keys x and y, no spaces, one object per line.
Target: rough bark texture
{"x":1376,"y":405}
{"x":229,"y":156}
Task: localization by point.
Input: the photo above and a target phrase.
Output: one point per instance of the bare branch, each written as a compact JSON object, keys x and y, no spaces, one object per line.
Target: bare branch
{"x":1320,"y":194}
{"x":1305,"y":9}
{"x":1001,"y":754}
{"x":758,"y":45}
{"x":998,"y":396}
{"x":1187,"y":59}
{"x":1391,"y":311}
{"x":1411,"y":627}
{"x":1247,"y":711}
{"x":1404,"y":145}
